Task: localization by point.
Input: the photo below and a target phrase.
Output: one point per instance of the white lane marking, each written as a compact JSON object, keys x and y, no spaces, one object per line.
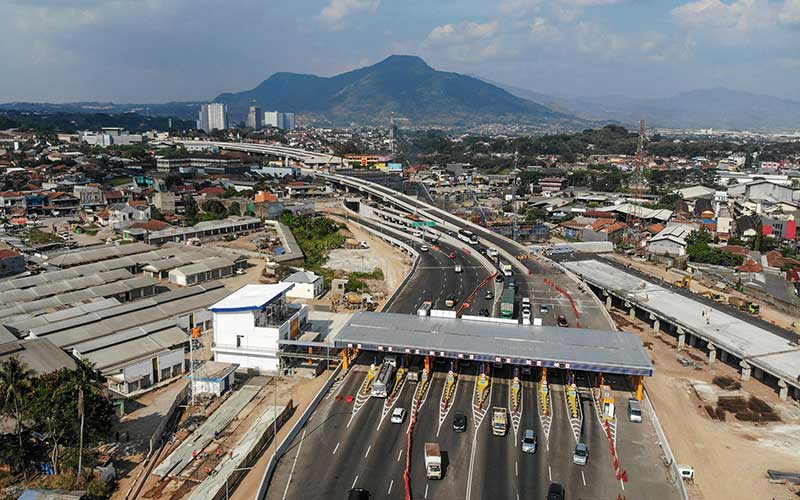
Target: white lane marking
{"x":368,"y":450}
{"x":516,"y":468}
{"x":583,"y":477}
{"x":294,"y":463}
{"x":354,"y":482}
{"x":390,"y":487}
{"x":400,"y":454}
{"x":337,"y":448}
{"x":622,"y":484}
{"x":426,"y":491}
{"x":550,"y":473}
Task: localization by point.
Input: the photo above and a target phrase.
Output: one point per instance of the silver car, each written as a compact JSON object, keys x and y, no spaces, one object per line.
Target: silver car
{"x":581,"y":455}
{"x":529,"y":441}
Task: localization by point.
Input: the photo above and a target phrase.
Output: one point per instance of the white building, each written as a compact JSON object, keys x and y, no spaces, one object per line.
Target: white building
{"x":671,"y":241}
{"x":254,"y":116}
{"x":212,"y":116}
{"x":110,"y":136}
{"x":249,"y":323}
{"x":307,"y":285}
{"x":277,"y":119}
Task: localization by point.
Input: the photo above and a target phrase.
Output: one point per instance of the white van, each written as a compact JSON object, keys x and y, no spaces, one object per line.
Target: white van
{"x":424,"y":308}
{"x":634,"y":410}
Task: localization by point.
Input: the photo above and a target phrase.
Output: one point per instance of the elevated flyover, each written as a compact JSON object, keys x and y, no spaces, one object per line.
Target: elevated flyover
{"x":309,"y":158}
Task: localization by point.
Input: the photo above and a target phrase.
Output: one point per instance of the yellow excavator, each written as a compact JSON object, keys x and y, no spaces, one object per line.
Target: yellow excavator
{"x":683,"y":282}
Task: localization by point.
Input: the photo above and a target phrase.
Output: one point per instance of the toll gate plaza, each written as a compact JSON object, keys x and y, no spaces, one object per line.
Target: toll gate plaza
{"x":580,"y":349}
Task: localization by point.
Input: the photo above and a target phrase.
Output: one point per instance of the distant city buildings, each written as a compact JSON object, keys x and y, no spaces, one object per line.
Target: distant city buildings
{"x":212,"y":116}
{"x":110,"y":136}
{"x":277,"y":119}
{"x":254,"y":118}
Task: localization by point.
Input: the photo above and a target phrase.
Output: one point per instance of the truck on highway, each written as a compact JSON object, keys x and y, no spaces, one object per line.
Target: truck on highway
{"x":433,"y":461}
{"x":507,"y":269}
{"x":425,"y":308}
{"x":507,"y":303}
{"x":384,"y":382}
{"x":499,"y":421}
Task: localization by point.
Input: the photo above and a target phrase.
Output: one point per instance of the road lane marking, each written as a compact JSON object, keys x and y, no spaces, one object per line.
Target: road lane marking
{"x":294,"y":463}
{"x":550,"y":473}
{"x":426,"y":491}
{"x":390,"y":488}
{"x":337,"y":448}
{"x":399,"y":454}
{"x":622,"y":484}
{"x":354,"y":482}
{"x":516,"y":468}
{"x":583,"y":477}
{"x":368,"y":450}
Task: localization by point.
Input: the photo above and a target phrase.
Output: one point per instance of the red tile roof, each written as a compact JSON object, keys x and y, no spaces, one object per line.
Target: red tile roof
{"x":212,"y":191}
{"x":7,"y":254}
{"x":737,"y":249}
{"x":750,"y":266}
{"x":151,"y":225}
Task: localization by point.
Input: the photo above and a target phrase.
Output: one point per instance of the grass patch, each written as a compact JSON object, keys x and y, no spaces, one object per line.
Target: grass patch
{"x":39,"y":237}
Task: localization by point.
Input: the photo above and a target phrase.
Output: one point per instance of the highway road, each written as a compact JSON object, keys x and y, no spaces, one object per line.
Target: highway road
{"x":353,"y":444}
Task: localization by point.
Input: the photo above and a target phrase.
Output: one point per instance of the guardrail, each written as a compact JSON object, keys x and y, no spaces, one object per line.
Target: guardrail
{"x":664,"y":444}
{"x":284,"y":445}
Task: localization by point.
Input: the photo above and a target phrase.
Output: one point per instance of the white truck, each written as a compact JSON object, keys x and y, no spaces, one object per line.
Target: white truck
{"x":507,"y":269}
{"x":433,"y":461}
{"x":499,"y":421}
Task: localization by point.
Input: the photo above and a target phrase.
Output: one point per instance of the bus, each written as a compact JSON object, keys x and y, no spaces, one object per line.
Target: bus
{"x":467,"y":236}
{"x":507,"y":303}
{"x":384,"y":382}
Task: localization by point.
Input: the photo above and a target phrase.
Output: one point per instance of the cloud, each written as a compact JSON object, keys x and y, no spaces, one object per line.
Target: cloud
{"x":541,"y":29}
{"x":462,"y":32}
{"x":338,"y":11}
{"x":790,"y":14}
{"x":733,"y":22}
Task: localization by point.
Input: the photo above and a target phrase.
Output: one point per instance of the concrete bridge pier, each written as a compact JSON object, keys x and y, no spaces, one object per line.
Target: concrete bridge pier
{"x":783,"y":390}
{"x":712,"y":353}
{"x":745,"y":370}
{"x":681,"y":338}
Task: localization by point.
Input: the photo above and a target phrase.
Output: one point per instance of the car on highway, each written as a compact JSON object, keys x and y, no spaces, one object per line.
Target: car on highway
{"x":499,"y":278}
{"x":418,"y":234}
{"x":398,"y":415}
{"x":459,"y":422}
{"x":450,"y":302}
{"x":526,"y":315}
{"x":555,"y":492}
{"x":424,"y":248}
{"x":489,"y":295}
{"x":526,"y":302}
{"x":543,"y":309}
{"x":529,"y":441}
{"x":452,"y":255}
{"x":484,"y":312}
{"x":458,"y":268}
{"x":492,"y":252}
{"x":562,"y":321}
{"x":358,"y":494}
{"x":581,"y":454}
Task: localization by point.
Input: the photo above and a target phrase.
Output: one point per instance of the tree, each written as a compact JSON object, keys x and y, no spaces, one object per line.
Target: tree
{"x":155,"y":214}
{"x":215,"y":207}
{"x":191,"y":211}
{"x":15,"y":385}
{"x":234,"y":208}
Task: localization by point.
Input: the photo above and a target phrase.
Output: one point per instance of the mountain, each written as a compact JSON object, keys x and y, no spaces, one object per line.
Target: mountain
{"x":184,"y":110}
{"x":719,"y":108}
{"x":401,"y":85}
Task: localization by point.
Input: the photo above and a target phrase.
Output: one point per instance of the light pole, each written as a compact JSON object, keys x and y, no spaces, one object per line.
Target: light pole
{"x":226,"y":480}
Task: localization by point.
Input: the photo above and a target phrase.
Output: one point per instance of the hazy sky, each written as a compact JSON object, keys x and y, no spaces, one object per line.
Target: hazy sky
{"x":158,"y":50}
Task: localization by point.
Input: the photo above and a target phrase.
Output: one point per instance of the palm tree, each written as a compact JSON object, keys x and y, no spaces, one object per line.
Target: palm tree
{"x":15,"y":382}
{"x":85,"y":379}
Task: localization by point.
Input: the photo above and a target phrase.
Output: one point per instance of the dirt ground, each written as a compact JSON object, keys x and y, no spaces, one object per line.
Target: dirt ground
{"x":730,"y":458}
{"x":767,"y":313}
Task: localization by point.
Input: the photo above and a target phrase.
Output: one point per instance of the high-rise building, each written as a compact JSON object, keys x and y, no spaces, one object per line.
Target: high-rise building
{"x":277,"y":119}
{"x":271,"y":119}
{"x":254,"y":118}
{"x":212,"y":116}
{"x":288,"y":121}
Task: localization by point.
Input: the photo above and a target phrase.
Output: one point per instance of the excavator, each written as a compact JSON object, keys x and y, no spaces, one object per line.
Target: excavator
{"x":683,"y":282}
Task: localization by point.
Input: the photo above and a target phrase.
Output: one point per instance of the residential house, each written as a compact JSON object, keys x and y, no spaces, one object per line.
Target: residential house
{"x":669,"y":243}
{"x":307,"y":285}
{"x":11,"y":262}
{"x":122,"y":215}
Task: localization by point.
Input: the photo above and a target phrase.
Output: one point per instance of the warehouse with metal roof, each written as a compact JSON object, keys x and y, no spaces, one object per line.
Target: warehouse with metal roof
{"x":542,"y":346}
{"x":205,"y":229}
{"x":206,"y":270}
{"x":64,"y":286}
{"x":104,"y":252}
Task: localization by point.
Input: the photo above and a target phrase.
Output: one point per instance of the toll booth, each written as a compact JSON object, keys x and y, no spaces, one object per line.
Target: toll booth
{"x":609,"y":409}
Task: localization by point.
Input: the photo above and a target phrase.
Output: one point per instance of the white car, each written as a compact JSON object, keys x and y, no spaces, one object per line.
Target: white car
{"x":398,"y":415}
{"x":492,"y":252}
{"x":424,"y":248}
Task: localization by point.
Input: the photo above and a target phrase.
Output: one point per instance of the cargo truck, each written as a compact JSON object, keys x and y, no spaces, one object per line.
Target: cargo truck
{"x":384,"y":382}
{"x":433,"y":461}
{"x":507,"y":269}
{"x":499,"y":421}
{"x":507,"y":303}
